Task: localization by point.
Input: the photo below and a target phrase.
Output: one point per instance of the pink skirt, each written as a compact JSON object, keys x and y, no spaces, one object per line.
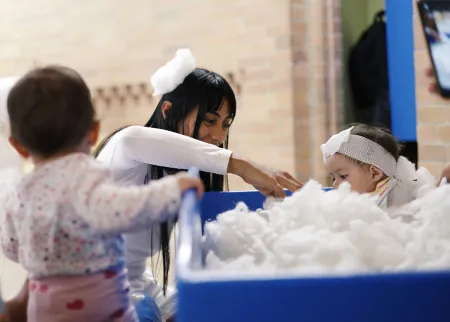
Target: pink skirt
{"x":99,"y":297}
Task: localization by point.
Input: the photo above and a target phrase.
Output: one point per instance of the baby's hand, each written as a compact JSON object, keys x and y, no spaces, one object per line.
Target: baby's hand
{"x":187,"y":182}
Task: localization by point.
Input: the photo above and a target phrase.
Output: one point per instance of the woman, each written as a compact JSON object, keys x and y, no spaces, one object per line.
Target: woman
{"x":200,"y":105}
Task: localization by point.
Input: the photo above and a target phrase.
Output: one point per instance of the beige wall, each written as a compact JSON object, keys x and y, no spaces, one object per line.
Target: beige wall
{"x":433,"y":113}
{"x":275,"y":49}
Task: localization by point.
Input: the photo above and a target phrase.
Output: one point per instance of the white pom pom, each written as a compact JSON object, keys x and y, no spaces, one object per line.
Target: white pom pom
{"x":173,"y":73}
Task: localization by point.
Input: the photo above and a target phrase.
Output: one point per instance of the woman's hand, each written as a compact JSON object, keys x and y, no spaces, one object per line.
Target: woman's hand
{"x":433,"y":87}
{"x":268,"y":182}
{"x":445,"y":175}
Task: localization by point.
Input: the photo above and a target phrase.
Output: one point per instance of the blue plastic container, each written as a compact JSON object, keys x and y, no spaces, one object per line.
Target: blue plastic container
{"x":214,"y":203}
{"x":405,"y":297}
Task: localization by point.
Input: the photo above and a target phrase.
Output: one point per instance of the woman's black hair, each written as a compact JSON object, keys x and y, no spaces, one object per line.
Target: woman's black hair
{"x":206,"y":91}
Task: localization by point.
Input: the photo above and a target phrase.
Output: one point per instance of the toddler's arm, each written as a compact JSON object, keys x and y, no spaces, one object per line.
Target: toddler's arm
{"x":111,"y":208}
{"x":10,"y":243}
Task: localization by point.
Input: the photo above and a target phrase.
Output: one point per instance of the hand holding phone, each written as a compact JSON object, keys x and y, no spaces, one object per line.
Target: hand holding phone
{"x":435,"y":17}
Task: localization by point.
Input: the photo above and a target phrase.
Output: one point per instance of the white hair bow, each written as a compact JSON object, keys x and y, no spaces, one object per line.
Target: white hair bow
{"x":332,"y":146}
{"x":173,"y":73}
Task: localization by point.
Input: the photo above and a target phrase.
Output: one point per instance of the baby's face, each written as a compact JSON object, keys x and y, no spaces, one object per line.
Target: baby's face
{"x":343,"y":170}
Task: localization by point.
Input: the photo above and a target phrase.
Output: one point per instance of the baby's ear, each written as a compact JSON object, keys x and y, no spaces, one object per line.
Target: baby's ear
{"x":376,"y":174}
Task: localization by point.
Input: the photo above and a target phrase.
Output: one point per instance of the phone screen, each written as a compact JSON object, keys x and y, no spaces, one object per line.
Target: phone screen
{"x":435,"y":16}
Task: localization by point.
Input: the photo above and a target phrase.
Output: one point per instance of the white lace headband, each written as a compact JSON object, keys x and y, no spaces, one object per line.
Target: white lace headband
{"x":173,"y":73}
{"x":360,"y":149}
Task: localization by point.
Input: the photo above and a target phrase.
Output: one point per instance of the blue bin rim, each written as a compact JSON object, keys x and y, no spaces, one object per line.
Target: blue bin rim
{"x":253,"y":190}
{"x":204,"y":276}
{"x":190,"y":235}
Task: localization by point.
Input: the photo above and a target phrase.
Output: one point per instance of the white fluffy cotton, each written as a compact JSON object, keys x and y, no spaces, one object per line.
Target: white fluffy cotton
{"x":173,"y":73}
{"x":336,"y":232}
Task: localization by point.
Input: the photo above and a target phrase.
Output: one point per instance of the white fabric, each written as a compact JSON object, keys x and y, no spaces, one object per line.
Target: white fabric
{"x":403,"y":186}
{"x":173,"y":73}
{"x":426,"y":182}
{"x":332,"y":146}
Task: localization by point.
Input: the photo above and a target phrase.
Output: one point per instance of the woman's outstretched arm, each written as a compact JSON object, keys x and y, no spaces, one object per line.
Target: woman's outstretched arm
{"x":168,"y":149}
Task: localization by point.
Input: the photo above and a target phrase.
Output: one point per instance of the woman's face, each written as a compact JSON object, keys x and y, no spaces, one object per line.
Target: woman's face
{"x":214,"y":128}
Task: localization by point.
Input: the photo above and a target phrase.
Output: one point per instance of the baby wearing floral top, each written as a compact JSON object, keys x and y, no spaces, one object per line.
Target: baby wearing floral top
{"x":63,"y":221}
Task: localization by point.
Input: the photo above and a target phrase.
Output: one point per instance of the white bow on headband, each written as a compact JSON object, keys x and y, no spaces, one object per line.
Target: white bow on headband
{"x":334,"y":143}
{"x":173,"y":73}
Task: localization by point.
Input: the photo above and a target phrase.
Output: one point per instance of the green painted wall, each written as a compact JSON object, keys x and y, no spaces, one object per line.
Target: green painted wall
{"x":357,"y":15}
{"x":373,"y":6}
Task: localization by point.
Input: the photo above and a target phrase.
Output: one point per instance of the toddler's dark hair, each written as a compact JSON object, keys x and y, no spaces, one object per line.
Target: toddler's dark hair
{"x":50,"y":110}
{"x":379,"y":135}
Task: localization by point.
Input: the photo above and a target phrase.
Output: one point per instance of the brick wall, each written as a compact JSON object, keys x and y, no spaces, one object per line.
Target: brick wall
{"x":273,"y":49}
{"x":317,"y":79}
{"x":433,"y":113}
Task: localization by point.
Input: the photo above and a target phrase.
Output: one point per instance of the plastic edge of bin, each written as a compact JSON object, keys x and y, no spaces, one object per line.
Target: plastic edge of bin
{"x":190,"y":232}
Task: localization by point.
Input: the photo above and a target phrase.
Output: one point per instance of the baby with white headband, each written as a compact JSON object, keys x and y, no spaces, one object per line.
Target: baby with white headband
{"x":368,"y":158}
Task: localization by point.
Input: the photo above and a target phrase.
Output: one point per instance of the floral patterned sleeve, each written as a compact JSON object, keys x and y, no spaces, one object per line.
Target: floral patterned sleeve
{"x":111,"y":208}
{"x":9,"y":239}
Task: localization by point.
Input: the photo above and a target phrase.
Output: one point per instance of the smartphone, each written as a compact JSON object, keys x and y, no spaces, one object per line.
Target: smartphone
{"x":435,"y":17}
